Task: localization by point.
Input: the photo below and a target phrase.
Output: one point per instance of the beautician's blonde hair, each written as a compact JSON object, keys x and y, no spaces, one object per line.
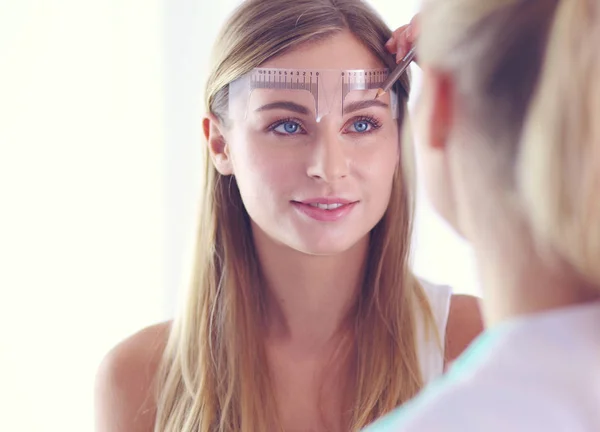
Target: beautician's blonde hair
{"x":215,"y":375}
{"x":528,"y":72}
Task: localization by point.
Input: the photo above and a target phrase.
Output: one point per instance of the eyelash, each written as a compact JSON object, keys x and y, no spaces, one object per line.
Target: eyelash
{"x":375,"y":124}
{"x":278,"y":123}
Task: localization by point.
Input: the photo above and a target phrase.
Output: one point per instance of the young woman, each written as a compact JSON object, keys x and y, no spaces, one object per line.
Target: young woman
{"x":303,"y":314}
{"x":509,"y":131}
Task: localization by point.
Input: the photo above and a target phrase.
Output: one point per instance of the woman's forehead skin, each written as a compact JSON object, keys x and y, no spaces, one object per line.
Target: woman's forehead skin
{"x":340,"y":51}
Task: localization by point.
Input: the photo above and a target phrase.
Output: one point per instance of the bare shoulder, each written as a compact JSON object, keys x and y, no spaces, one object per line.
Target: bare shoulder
{"x":464,"y":324}
{"x":124,"y":399}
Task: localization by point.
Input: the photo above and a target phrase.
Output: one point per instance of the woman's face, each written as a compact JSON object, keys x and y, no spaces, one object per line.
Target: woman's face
{"x":316,"y":187}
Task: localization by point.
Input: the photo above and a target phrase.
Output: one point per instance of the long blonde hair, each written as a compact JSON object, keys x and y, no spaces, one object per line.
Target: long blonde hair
{"x":528,"y":72}
{"x":214,"y":375}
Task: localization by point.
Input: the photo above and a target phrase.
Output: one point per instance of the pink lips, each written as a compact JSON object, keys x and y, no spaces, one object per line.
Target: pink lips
{"x":326,"y":209}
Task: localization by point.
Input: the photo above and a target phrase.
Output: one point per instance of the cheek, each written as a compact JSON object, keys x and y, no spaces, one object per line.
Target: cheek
{"x":262,"y":173}
{"x":378,"y":167}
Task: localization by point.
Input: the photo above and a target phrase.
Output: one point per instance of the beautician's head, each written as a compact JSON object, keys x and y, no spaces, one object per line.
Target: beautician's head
{"x":215,"y":375}
{"x":509,"y":119}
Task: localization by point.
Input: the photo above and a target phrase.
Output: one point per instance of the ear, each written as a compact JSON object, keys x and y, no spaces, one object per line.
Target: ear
{"x":217,"y":145}
{"x":440,"y":101}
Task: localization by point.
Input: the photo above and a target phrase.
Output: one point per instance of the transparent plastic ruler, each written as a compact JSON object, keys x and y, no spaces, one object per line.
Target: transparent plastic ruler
{"x":362,"y":80}
{"x":286,"y":79}
{"x":314,"y":81}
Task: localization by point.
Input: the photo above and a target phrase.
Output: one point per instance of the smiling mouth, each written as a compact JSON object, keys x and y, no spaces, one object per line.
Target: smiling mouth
{"x":327,"y":206}
{"x":325,"y":203}
{"x":331,"y":210}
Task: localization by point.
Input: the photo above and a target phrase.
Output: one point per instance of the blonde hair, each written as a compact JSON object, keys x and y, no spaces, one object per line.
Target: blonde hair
{"x":214,"y":375}
{"x":527,"y":73}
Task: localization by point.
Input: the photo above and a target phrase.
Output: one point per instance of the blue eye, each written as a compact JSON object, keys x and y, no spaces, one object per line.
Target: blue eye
{"x":287,"y":128}
{"x":361,"y":126}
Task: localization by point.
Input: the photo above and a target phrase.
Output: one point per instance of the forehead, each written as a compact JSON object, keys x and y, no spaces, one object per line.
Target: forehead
{"x":340,"y":51}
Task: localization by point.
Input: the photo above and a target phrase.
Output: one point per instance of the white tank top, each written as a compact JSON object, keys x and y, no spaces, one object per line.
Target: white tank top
{"x":429,"y":349}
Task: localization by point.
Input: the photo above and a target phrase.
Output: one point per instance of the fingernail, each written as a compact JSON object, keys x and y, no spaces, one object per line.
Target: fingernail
{"x":390,"y":40}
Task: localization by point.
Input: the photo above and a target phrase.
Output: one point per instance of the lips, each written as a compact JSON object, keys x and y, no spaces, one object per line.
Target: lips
{"x":326,"y":209}
{"x":327,"y":206}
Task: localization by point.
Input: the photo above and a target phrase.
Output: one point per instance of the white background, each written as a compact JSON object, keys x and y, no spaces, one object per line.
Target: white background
{"x":100,"y":159}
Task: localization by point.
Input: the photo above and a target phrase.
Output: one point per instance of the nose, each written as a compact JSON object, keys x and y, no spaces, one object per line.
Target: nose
{"x":330,"y":161}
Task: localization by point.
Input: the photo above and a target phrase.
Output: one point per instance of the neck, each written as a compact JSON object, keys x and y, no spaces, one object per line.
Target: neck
{"x":309,"y":298}
{"x":516,"y":280}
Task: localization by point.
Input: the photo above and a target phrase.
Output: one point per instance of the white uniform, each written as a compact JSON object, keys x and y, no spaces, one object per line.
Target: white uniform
{"x":539,"y":373}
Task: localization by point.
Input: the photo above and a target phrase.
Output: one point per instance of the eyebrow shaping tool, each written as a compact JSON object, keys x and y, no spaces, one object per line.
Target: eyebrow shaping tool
{"x":397,"y":73}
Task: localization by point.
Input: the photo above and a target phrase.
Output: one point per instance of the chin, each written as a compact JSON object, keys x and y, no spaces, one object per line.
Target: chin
{"x":323,"y":245}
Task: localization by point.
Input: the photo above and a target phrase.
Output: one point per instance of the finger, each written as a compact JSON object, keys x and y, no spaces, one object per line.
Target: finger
{"x":392,"y":45}
{"x":402,"y":52}
{"x":403,"y":46}
{"x":415,"y":26}
{"x":399,"y":32}
{"x":414,"y":33}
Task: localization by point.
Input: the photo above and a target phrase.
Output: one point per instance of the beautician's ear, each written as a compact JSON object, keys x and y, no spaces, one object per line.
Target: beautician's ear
{"x":440,"y":94}
{"x":217,"y":145}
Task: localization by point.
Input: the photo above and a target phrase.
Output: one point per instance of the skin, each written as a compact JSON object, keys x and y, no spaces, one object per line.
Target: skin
{"x":312,"y":269}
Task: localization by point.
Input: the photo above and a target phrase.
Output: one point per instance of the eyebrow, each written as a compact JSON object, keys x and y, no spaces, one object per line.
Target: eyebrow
{"x":359,"y":105}
{"x":301,"y":109}
{"x":286,"y":105}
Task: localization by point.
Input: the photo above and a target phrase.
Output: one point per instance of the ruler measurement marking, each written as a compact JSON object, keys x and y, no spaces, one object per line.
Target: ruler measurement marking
{"x":297,"y":80}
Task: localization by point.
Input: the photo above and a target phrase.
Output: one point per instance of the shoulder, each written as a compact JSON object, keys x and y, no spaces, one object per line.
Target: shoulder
{"x":464,"y":324}
{"x":458,"y":317}
{"x":124,"y":399}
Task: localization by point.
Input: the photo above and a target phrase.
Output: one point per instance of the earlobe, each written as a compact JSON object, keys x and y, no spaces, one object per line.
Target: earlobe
{"x":218,"y":149}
